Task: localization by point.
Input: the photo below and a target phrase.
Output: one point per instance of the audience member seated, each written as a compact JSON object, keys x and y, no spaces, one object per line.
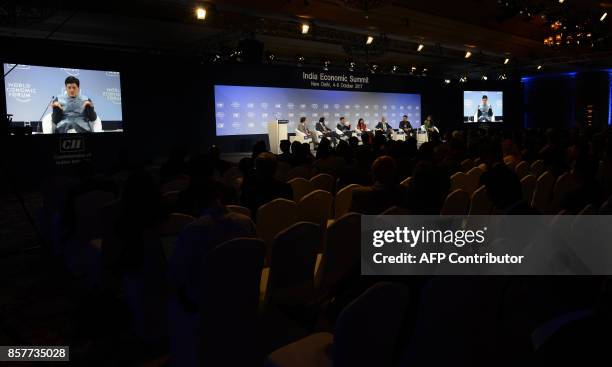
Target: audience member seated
{"x":428,"y":189}
{"x":285,"y":148}
{"x":328,"y":162}
{"x":263,"y":187}
{"x":383,"y":194}
{"x":194,"y":199}
{"x":504,"y":190}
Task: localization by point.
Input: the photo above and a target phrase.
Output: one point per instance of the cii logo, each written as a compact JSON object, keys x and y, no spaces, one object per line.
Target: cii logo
{"x":72,"y":145}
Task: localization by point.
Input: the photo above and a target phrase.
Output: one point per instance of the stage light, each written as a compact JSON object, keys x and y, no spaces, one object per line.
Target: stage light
{"x":305,"y":28}
{"x":603,"y":17}
{"x":506,"y":61}
{"x":369,"y":40}
{"x":201,"y":13}
{"x":300,"y":60}
{"x":539,"y":67}
{"x":393,"y":69}
{"x":561,"y":1}
{"x":420,"y":48}
{"x":463,"y":79}
{"x":485,"y":78}
{"x":373,"y":68}
{"x":326,"y":65}
{"x":447,"y":81}
{"x":468,"y":54}
{"x":352,"y":66}
{"x":503,"y":77}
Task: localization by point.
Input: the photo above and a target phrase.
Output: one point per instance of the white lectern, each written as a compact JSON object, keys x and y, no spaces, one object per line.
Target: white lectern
{"x":277,"y":131}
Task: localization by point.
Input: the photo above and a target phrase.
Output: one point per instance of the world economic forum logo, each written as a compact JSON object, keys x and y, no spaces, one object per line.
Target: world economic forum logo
{"x":72,"y":72}
{"x":21,"y":92}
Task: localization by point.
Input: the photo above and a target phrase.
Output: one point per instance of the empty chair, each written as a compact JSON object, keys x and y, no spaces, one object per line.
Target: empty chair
{"x":170,"y":230}
{"x":294,"y":254}
{"x":299,"y":171}
{"x":229,"y":301}
{"x":456,"y":203}
{"x":480,"y":203}
{"x":473,"y":180}
{"x":341,"y":251}
{"x":344,"y":199}
{"x":542,"y":193}
{"x":323,"y":181}
{"x":365,"y":334}
{"x":458,"y":182}
{"x":562,"y":187}
{"x":238,"y":209}
{"x":537,"y":168}
{"x":273,"y":217}
{"x":406,"y":182}
{"x":315,"y":207}
{"x":528,"y":184}
{"x":467,"y":164}
{"x":521,"y":169}
{"x":301,"y":187}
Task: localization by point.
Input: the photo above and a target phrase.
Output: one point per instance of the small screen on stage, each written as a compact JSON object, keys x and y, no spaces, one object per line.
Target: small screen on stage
{"x":54,"y":100}
{"x":248,"y":110}
{"x":483,"y":107}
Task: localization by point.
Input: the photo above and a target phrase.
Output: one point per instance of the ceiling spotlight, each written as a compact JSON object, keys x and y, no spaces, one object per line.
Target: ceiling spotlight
{"x":539,"y":67}
{"x":393,"y":69}
{"x":373,"y":68}
{"x":468,"y":54}
{"x":326,"y":65}
{"x":300,"y":60}
{"x":369,"y":40}
{"x":447,"y":81}
{"x":506,"y":61}
{"x":503,"y":77}
{"x":561,"y":1}
{"x":603,"y":17}
{"x":200,"y":13}
{"x":463,"y":79}
{"x":305,"y":28}
{"x":351,"y":66}
{"x":216,"y":58}
{"x":420,"y":48}
{"x":484,"y":77}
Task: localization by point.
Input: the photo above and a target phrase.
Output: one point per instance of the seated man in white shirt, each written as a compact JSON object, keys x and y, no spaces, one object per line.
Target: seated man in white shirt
{"x":303,"y":128}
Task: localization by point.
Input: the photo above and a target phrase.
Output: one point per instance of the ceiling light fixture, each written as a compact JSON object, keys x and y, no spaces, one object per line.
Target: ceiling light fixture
{"x":421,"y":47}
{"x":369,"y":40}
{"x":200,"y":13}
{"x":305,"y":28}
{"x":468,"y":54}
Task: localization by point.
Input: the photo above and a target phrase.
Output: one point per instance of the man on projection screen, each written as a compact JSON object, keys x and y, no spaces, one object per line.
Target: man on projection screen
{"x":74,"y":110}
{"x":485,"y":111}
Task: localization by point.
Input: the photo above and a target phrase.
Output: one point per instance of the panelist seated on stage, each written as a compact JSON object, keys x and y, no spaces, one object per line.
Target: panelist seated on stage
{"x":325,"y":131}
{"x":429,"y":125}
{"x":361,"y":126}
{"x":405,"y":125}
{"x":74,"y":111}
{"x":303,"y":128}
{"x":484,"y":112}
{"x":344,"y":127}
{"x":384,"y":127}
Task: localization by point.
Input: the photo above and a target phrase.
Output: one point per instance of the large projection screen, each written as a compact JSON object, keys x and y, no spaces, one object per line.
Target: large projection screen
{"x":241,"y":110}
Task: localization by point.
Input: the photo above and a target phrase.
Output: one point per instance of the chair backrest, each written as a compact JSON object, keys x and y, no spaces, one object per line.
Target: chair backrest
{"x":473,"y":180}
{"x":562,"y":187}
{"x":273,"y":217}
{"x":456,"y":203}
{"x":521,"y":169}
{"x":406,"y":182}
{"x":528,"y":184}
{"x":396,"y":210}
{"x":588,"y":210}
{"x":301,"y":187}
{"x":537,"y":168}
{"x":299,"y":171}
{"x":86,"y":207}
{"x":315,"y":207}
{"x":343,"y":200}
{"x":367,"y":330}
{"x":238,"y":209}
{"x":341,"y":252}
{"x":467,"y":164}
{"x":179,"y":184}
{"x":175,"y":224}
{"x":480,"y":203}
{"x":542,"y":193}
{"x":294,"y":254}
{"x":458,"y":182}
{"x":323,"y":181}
{"x":229,"y":301}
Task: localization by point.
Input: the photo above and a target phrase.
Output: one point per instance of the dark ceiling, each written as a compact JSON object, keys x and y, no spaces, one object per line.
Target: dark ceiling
{"x":338,"y":29}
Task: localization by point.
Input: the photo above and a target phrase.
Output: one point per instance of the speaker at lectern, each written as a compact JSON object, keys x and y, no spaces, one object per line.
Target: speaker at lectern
{"x":277,"y":131}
